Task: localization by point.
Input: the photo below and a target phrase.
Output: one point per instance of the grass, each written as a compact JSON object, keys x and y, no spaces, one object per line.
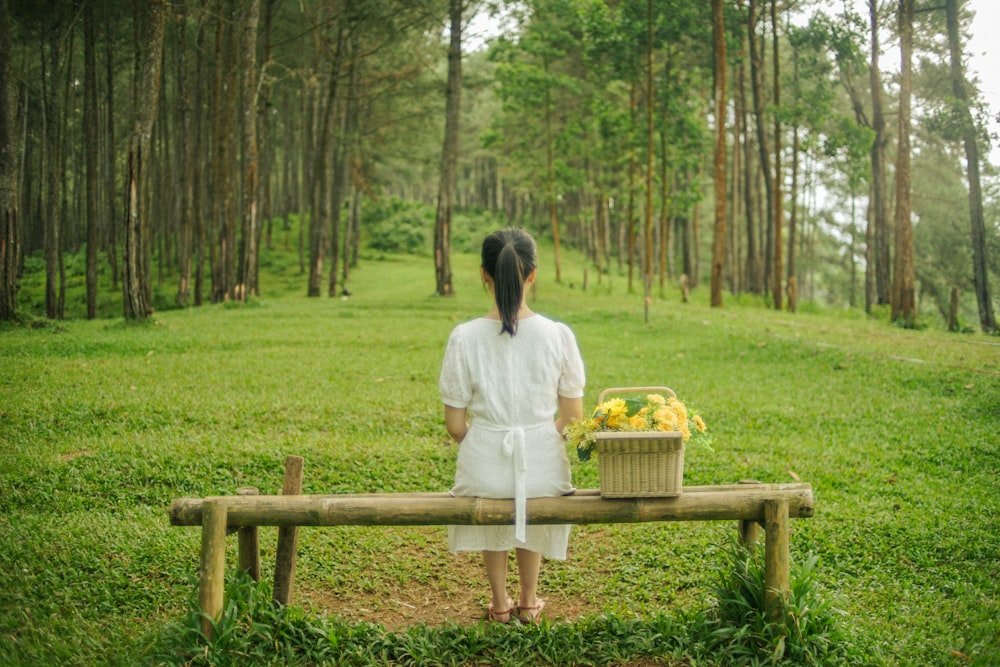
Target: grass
{"x":102,"y":424}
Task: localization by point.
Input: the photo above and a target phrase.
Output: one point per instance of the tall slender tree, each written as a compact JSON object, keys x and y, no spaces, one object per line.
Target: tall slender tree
{"x":449,"y":155}
{"x":10,"y":241}
{"x":904,"y":304}
{"x":778,"y":213}
{"x":719,"y":235}
{"x":136,"y":287}
{"x":980,"y":270}
{"x":91,"y":147}
{"x":247,"y":272}
{"x":879,"y":200}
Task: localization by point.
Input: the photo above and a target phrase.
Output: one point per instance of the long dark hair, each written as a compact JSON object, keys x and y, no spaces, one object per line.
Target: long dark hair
{"x":509,"y":256}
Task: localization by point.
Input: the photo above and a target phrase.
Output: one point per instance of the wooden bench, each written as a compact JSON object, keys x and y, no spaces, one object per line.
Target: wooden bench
{"x":751,"y":504}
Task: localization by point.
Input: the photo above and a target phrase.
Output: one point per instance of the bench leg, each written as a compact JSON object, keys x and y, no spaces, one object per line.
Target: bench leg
{"x":213,"y":563}
{"x":749,"y":532}
{"x":288,"y":537}
{"x":775,"y":555}
{"x":249,"y":542}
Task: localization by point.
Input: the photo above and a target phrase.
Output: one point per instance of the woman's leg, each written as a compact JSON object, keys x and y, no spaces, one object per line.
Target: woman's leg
{"x":528,"y":565}
{"x":496,"y":573}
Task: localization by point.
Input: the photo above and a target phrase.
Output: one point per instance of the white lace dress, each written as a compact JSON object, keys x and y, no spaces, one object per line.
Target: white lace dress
{"x":511,"y":387}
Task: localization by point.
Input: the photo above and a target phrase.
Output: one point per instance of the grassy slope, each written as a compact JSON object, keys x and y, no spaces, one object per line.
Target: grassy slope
{"x":101,"y":425}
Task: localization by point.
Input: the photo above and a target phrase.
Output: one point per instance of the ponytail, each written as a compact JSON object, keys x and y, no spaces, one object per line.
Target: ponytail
{"x":508,"y":286}
{"x":509,"y":256}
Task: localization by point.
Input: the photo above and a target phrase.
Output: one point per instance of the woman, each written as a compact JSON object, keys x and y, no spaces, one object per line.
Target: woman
{"x":510,"y":382}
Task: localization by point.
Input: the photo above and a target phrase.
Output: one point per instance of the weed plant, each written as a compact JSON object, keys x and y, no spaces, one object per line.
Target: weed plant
{"x":102,"y":424}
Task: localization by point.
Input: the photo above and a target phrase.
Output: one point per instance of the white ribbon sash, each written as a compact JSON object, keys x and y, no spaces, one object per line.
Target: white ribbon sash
{"x":513,"y":448}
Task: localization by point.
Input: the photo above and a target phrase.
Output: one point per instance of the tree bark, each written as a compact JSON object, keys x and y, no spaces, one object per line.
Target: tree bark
{"x":136,"y":288}
{"x":650,"y":163}
{"x":719,"y":236}
{"x":247,"y":275}
{"x":880,"y":212}
{"x":322,"y":182}
{"x":980,"y":270}
{"x":904,"y":306}
{"x":187,"y":183}
{"x":778,"y":219}
{"x":756,"y":76}
{"x":50,"y":209}
{"x":91,"y":148}
{"x":449,"y":155}
{"x":10,"y":242}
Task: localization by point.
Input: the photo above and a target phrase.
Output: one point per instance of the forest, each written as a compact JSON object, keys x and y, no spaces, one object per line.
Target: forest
{"x":792,"y":151}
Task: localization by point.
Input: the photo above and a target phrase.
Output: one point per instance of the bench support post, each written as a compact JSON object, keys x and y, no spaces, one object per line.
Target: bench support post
{"x":213,"y":563}
{"x":288,"y":537}
{"x":249,"y":541}
{"x":775,"y":555}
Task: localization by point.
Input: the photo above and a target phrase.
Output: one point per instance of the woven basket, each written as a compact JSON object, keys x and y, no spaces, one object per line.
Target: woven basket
{"x":640,"y":464}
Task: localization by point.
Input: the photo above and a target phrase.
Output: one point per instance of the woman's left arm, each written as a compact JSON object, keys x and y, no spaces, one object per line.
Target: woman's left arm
{"x":456,"y":420}
{"x":569,"y":409}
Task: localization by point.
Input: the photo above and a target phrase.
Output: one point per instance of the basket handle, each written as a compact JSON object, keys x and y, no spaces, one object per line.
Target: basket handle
{"x":634,"y":390}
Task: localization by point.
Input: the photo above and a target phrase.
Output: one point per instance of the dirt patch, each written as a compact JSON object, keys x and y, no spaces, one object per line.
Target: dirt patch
{"x":420,"y":604}
{"x":69,"y":456}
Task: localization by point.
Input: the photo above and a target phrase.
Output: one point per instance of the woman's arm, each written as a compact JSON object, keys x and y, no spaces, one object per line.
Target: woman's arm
{"x":456,"y":420}
{"x":569,"y":409}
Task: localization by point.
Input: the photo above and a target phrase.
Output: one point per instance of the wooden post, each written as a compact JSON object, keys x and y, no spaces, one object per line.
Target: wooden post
{"x":213,"y":563}
{"x":748,"y":529}
{"x":288,"y":536}
{"x":249,"y":541}
{"x":775,"y":555}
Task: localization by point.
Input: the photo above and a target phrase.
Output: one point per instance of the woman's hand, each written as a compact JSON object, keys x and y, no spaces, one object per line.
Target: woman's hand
{"x":569,"y":409}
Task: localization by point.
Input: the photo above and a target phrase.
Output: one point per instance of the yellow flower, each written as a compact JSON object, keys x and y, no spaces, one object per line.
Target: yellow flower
{"x":665,"y":419}
{"x":699,"y":423}
{"x":637,"y":422}
{"x":655,"y":399}
{"x":616,"y":410}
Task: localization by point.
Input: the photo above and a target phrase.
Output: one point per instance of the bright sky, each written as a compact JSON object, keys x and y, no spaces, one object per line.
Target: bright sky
{"x":985,"y":58}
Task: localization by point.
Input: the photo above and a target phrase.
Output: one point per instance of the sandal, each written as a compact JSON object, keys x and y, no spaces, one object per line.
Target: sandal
{"x":528,"y":615}
{"x":501,"y":616}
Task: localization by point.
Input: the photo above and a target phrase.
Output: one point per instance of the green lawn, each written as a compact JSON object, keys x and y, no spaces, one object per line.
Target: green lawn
{"x":103,"y":424}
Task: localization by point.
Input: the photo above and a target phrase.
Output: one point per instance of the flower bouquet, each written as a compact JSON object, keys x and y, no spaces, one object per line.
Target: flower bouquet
{"x":639,"y":442}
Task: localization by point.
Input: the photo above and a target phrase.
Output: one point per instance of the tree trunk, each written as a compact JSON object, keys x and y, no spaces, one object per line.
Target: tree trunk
{"x":136,"y":288}
{"x":756,"y":77}
{"x":110,"y":163}
{"x":187,"y":183}
{"x":904,"y":306}
{"x":719,"y":236}
{"x":246,"y":280}
{"x":980,"y":270}
{"x":449,"y":155}
{"x":793,"y":293}
{"x":750,"y":269}
{"x":91,"y":148}
{"x":550,"y":167}
{"x":880,"y":208}
{"x":10,"y":242}
{"x":778,"y":219}
{"x":52,"y":238}
{"x":650,"y":163}
{"x":322,"y":181}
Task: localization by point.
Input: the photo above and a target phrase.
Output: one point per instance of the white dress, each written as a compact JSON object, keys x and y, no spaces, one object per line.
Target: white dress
{"x":511,"y":388}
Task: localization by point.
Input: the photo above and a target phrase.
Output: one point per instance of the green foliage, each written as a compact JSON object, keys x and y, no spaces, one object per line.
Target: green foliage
{"x":395,"y":226}
{"x":808,"y":631}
